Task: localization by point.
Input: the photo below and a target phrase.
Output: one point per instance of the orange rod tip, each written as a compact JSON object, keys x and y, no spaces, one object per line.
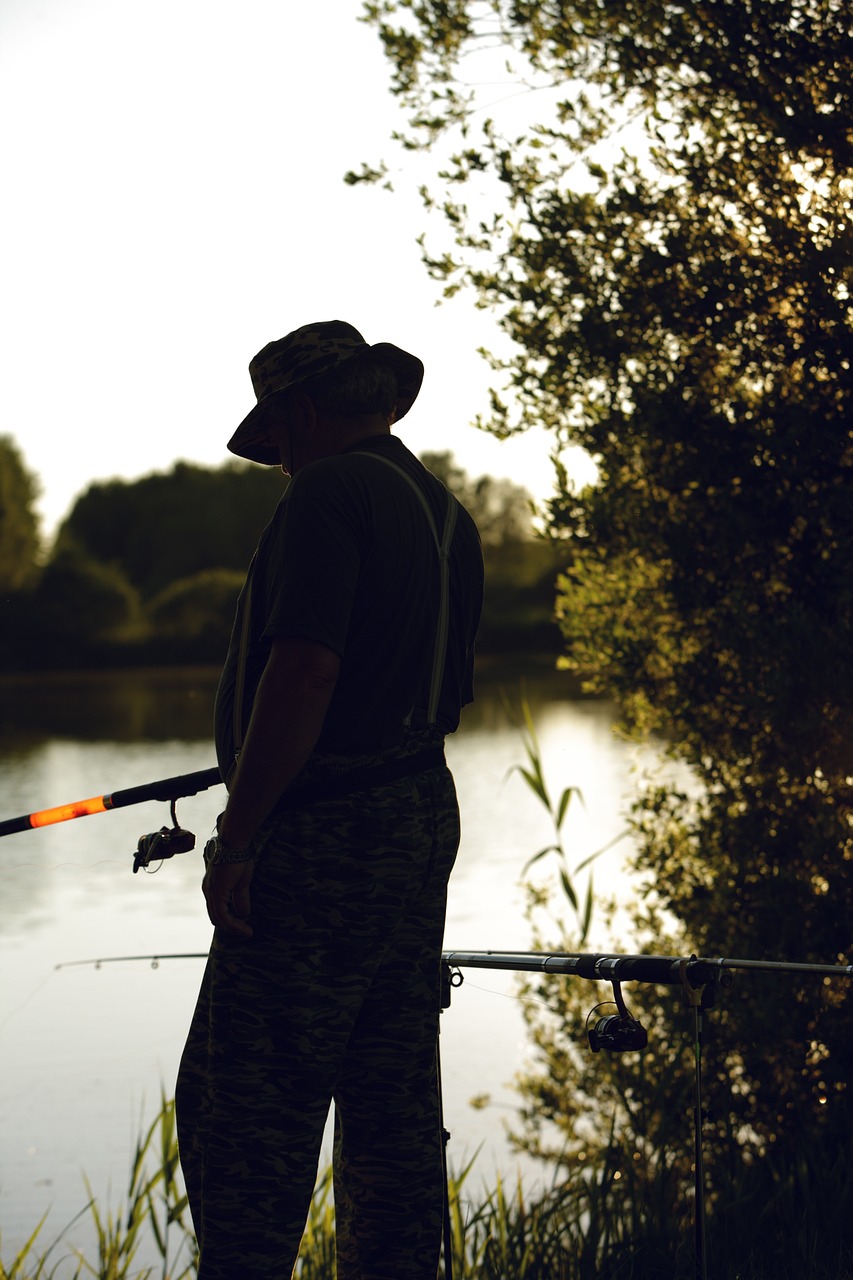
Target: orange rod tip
{"x":62,"y":812}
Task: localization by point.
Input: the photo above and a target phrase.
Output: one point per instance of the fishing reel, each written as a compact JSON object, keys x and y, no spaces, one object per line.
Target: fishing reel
{"x":617,"y":1032}
{"x":162,"y":844}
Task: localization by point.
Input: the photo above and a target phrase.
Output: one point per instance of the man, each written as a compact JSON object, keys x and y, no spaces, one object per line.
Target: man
{"x":350,"y":660}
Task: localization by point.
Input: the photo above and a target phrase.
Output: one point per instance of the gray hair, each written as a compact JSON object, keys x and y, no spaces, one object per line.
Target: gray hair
{"x":357,"y":386}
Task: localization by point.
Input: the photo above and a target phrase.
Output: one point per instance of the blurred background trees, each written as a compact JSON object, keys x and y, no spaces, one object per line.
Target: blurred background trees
{"x":19,"y":531}
{"x":521,"y":567}
{"x":149,"y":570}
{"x":655,"y":201}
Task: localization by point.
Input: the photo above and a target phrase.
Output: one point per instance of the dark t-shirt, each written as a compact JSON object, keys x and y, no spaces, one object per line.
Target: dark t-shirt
{"x":349,"y":560}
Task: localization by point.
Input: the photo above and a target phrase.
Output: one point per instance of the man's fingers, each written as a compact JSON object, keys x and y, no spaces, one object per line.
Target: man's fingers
{"x":223,"y":914}
{"x":241,"y":903}
{"x":226,"y":892}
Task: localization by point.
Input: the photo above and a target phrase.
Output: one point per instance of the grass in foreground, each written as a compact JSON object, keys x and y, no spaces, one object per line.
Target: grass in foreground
{"x":565,"y":1234}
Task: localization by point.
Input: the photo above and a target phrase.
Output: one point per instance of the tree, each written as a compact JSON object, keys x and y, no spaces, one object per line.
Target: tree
{"x":19,"y":528}
{"x":79,"y":608}
{"x":169,"y":526}
{"x":679,"y":305}
{"x":521,"y":567}
{"x":197,"y":613}
{"x":503,"y":511}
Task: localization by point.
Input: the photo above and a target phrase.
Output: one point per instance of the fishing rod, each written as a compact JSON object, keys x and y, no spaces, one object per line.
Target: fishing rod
{"x":607,"y":966}
{"x":155,"y":847}
{"x":185,"y":784}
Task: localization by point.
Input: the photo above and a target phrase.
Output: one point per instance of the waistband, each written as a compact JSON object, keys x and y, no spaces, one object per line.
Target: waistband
{"x":361,"y":778}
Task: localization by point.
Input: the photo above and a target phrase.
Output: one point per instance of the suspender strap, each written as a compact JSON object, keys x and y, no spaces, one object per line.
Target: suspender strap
{"x":443,"y":545}
{"x":242,"y":655}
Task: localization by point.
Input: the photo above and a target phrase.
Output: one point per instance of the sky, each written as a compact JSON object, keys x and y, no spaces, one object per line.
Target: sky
{"x":173,"y":199}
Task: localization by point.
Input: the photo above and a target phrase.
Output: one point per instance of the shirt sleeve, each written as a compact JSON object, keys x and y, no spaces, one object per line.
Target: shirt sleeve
{"x":316,"y":558}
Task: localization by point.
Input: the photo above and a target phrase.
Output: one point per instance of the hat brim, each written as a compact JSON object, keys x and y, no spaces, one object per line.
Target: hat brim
{"x":251,"y":439}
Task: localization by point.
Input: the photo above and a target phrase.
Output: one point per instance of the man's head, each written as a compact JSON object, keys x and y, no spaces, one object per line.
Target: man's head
{"x":330,"y":365}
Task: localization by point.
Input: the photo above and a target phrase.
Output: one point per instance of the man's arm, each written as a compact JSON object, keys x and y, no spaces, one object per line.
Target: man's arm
{"x":287,"y":718}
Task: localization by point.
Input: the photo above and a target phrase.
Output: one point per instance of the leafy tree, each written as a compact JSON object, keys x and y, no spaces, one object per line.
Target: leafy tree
{"x":19,"y":528}
{"x":170,"y":526}
{"x":521,"y":567}
{"x":667,"y":245}
{"x":199,"y":611}
{"x":502,"y":510}
{"x":79,"y":606}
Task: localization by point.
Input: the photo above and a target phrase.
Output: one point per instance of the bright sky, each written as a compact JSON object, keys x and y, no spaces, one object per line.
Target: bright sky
{"x":173,"y":200}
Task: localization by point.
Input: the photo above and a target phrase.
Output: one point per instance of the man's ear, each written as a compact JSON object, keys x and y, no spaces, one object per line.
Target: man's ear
{"x":303,"y":410}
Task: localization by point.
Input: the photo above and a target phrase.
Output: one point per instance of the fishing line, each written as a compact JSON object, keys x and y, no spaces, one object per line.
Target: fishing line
{"x":18,"y":1007}
{"x":506,"y":995}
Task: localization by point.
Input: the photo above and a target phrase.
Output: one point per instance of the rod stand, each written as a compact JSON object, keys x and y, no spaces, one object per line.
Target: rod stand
{"x":698,"y":998}
{"x":449,"y":978}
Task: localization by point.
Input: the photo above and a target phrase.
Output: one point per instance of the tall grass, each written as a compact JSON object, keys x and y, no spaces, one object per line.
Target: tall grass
{"x":784,"y":1226}
{"x":558,"y":811}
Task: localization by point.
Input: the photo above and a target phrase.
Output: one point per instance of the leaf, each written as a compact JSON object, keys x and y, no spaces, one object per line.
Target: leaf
{"x":586,"y":918}
{"x":551,"y":848}
{"x":565,"y":801}
{"x":568,"y":889}
{"x":604,"y":848}
{"x":535,"y":782}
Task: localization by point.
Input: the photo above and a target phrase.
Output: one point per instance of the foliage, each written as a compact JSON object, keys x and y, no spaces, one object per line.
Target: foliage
{"x":573,"y":1230}
{"x":80,"y":596}
{"x":79,"y":609}
{"x":198,"y":611}
{"x":533,"y":774}
{"x":317,"y":1251}
{"x":665,"y":238}
{"x":684,"y":316}
{"x":169,"y":526}
{"x":619,"y":1127}
{"x":518,"y":608}
{"x":19,"y":527}
{"x":521,"y":566}
{"x":502,"y":510}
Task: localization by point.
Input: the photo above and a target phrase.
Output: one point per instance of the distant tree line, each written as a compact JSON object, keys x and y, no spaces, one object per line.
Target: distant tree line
{"x":148,"y":571}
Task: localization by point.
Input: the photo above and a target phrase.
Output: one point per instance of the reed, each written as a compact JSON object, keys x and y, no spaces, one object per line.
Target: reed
{"x":783,"y":1228}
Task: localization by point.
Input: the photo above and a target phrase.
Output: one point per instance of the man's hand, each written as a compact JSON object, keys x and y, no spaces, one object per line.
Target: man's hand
{"x":226,"y":891}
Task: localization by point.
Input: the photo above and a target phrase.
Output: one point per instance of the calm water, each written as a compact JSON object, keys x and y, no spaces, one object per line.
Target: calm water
{"x":85,"y":1051}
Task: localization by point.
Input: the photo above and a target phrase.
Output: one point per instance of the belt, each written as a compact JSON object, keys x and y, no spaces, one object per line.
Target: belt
{"x":363,"y":779}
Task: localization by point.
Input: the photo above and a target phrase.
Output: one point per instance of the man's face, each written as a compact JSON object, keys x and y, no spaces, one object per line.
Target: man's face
{"x":278,"y":427}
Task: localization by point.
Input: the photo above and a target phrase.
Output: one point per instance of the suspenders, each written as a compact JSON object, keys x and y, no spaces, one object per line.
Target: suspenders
{"x":242,"y":657}
{"x":443,"y":547}
{"x":442,"y":625}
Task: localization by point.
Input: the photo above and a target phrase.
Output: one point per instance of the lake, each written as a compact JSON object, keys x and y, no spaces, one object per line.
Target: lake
{"x":85,"y":1050}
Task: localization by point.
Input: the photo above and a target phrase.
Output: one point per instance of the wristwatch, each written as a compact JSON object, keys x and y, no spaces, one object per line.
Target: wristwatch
{"x":218,"y":853}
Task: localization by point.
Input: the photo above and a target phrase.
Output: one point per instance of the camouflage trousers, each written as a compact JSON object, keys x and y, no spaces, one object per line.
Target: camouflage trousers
{"x":335,"y":997}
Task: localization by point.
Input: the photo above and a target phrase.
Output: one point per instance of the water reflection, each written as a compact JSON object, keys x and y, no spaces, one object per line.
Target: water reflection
{"x":119,"y":706}
{"x":156,"y":705}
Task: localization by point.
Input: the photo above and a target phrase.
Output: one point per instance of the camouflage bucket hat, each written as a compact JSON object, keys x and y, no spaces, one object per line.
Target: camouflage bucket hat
{"x":304,"y":354}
